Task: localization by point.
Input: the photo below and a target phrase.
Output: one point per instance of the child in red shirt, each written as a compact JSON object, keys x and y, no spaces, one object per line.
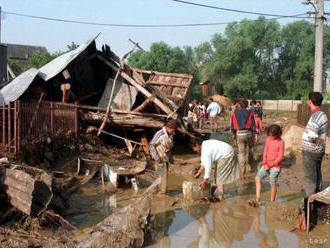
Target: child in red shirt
{"x":271,"y":163}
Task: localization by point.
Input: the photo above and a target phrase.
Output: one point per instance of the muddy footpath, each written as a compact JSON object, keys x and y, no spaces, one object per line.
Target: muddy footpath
{"x":169,"y":221}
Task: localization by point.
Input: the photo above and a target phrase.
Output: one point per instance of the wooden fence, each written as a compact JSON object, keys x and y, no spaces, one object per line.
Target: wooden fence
{"x":22,"y":120}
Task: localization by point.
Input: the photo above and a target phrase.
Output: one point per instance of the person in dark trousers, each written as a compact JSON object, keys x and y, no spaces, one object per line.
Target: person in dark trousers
{"x":243,"y":127}
{"x":313,"y":149}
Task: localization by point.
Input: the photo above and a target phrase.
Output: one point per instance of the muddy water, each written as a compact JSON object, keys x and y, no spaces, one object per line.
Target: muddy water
{"x":231,"y":223}
{"x":93,"y":204}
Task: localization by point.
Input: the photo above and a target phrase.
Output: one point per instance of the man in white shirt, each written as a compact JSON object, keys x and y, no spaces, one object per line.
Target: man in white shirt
{"x":214,"y":109}
{"x":222,"y":155}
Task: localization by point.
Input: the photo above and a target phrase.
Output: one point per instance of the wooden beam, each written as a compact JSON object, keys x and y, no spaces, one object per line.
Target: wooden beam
{"x":145,"y":103}
{"x":127,"y":120}
{"x":144,"y":91}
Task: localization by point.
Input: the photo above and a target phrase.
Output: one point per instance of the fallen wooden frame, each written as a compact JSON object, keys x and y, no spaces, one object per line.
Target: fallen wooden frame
{"x":28,"y":189}
{"x":141,"y":88}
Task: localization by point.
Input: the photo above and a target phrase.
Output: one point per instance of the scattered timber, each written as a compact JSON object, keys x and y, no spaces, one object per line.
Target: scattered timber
{"x":27,"y":188}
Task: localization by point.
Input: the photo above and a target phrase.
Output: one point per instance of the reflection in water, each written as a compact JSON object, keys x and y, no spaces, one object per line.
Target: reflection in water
{"x":230,"y":224}
{"x":226,"y":226}
{"x":266,"y":239}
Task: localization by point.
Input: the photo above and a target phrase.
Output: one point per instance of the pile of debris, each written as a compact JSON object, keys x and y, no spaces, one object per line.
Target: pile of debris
{"x":60,"y":113}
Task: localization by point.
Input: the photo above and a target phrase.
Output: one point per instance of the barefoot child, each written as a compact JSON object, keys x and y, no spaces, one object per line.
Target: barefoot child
{"x":271,"y":163}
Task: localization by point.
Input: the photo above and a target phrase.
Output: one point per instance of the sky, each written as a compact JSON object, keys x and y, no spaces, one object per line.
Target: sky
{"x":56,"y":35}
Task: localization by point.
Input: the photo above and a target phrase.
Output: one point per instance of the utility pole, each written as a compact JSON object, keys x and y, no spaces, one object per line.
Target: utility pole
{"x":318,"y":6}
{"x":318,"y":64}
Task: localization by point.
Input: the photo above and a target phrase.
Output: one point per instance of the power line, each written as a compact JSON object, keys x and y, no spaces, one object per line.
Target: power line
{"x":134,"y":25}
{"x":235,"y":10}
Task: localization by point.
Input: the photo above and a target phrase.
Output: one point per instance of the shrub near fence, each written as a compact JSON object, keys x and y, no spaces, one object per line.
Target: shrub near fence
{"x":303,"y":114}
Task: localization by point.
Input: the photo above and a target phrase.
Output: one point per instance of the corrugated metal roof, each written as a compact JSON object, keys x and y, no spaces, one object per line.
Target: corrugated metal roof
{"x":18,"y":86}
{"x":57,"y":65}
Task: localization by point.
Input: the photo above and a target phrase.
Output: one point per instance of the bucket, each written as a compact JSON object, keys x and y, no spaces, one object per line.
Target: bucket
{"x":192,"y":191}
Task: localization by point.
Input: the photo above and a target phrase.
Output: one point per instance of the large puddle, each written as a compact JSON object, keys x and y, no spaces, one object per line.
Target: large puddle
{"x":225,"y":226}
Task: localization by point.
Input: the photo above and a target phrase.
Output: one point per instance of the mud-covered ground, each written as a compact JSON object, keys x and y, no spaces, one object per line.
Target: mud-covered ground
{"x":178,"y":223}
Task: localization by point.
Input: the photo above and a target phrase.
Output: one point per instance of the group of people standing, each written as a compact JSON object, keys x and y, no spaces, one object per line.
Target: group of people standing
{"x":245,"y":125}
{"x":199,"y":113}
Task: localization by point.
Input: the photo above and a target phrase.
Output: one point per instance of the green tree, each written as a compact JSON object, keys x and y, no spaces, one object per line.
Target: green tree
{"x":296,"y":59}
{"x":72,"y":46}
{"x":38,"y":59}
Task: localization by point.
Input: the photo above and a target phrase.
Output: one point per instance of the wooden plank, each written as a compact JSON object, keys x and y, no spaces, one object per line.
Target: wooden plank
{"x":168,"y":84}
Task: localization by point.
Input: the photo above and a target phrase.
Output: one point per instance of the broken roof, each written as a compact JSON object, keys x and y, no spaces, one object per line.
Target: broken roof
{"x":174,"y":85}
{"x":13,"y":90}
{"x":18,"y":86}
{"x":58,"y":64}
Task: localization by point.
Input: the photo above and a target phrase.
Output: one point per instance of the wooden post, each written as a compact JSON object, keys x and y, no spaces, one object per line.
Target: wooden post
{"x":9,"y":127}
{"x":15,"y":128}
{"x":3,"y":125}
{"x":76,"y":121}
{"x":35,"y":113}
{"x":102,"y":176}
{"x":109,"y":103}
{"x":51,"y":119}
{"x":19,"y":126}
{"x":308,"y":215}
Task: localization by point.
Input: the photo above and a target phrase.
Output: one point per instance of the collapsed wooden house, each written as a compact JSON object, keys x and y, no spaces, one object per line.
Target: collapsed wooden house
{"x":86,"y":84}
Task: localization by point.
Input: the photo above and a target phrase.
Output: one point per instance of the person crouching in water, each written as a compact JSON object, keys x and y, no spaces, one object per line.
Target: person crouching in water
{"x":160,"y":147}
{"x":271,"y":163}
{"x":222,"y":156}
